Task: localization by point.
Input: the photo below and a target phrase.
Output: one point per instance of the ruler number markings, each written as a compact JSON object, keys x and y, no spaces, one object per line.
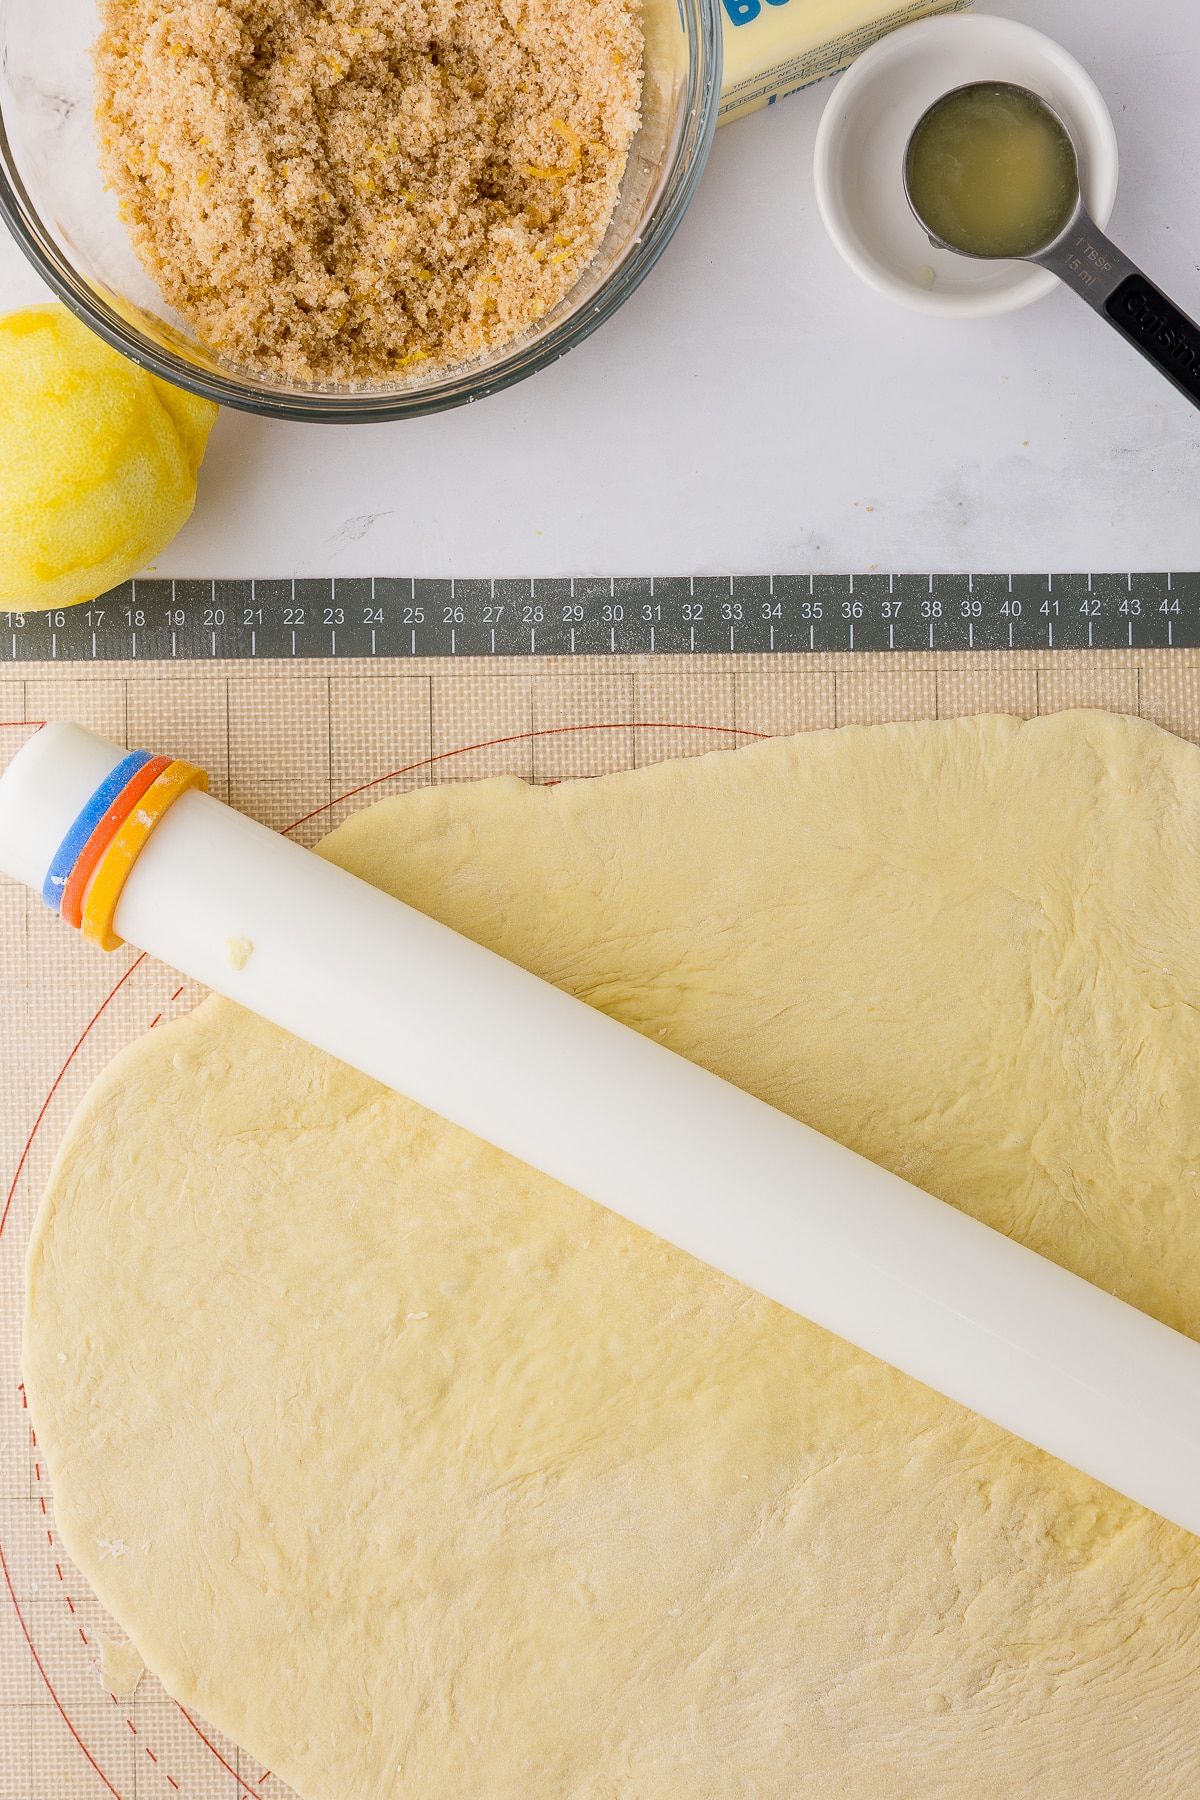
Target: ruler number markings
{"x":153,"y":620}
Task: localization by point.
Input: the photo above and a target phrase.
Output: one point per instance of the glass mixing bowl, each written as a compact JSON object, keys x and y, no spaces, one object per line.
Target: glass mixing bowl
{"x":54,"y":203}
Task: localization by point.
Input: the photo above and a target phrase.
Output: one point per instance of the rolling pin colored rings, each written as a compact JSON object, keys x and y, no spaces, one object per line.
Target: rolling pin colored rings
{"x":121,"y":854}
{"x":71,"y":906}
{"x":88,"y":822}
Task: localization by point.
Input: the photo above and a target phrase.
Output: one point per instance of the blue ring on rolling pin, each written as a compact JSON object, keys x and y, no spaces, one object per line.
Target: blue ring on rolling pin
{"x":67,"y":854}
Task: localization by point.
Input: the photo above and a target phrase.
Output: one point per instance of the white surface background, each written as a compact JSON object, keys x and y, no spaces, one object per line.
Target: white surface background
{"x":753,"y":409}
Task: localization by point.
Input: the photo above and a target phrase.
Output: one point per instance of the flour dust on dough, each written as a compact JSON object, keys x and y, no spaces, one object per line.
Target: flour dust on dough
{"x":443,"y":1484}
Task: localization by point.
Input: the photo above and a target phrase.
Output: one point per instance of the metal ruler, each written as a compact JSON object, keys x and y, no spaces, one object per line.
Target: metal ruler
{"x":190,"y":621}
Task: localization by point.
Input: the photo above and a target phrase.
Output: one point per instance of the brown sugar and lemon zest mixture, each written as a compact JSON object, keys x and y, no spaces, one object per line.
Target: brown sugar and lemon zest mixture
{"x":350,"y":191}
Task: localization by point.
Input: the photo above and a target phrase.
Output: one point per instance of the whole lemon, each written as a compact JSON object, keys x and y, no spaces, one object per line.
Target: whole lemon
{"x":98,"y":461}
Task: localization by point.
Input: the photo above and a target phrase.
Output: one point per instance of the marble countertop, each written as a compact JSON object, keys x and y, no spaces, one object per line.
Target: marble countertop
{"x":754,"y":409}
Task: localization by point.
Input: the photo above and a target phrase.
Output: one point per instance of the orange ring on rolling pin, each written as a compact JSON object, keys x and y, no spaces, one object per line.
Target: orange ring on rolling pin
{"x":71,"y":905}
{"x":125,"y":848}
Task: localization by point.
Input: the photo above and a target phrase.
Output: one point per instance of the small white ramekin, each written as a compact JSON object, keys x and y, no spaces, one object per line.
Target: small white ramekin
{"x":859,"y":158}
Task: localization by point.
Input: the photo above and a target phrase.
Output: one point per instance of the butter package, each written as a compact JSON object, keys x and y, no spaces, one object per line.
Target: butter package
{"x":775,"y":47}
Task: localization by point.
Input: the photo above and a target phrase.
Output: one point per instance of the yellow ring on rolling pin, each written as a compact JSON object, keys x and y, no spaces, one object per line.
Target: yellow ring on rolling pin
{"x":108,"y":883}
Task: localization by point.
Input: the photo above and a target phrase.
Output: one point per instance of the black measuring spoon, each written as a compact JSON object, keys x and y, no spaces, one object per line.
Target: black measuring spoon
{"x":1069,"y":243}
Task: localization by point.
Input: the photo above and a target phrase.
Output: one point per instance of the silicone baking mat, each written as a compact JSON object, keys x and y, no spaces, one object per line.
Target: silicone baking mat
{"x":299,"y":746}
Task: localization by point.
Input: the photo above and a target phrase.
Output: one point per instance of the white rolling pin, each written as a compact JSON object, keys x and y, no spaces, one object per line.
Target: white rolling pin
{"x":632,"y":1125}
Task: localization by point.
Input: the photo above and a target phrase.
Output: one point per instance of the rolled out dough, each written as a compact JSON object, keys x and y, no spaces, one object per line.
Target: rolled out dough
{"x":440,"y":1483}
